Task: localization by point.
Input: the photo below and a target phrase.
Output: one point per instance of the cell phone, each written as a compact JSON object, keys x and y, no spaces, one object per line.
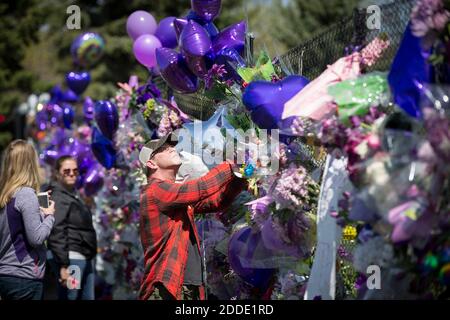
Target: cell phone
{"x":44,"y":199}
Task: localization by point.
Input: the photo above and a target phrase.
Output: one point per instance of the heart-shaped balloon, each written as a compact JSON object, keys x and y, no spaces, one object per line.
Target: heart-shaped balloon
{"x":107,"y":117}
{"x":206,"y":9}
{"x":78,"y":81}
{"x":244,"y":250}
{"x":194,"y":39}
{"x":231,"y":37}
{"x":265,"y":100}
{"x":103,"y":149}
{"x":175,"y":71}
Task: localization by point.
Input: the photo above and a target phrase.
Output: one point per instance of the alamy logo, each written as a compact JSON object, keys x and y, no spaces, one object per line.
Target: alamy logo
{"x":374,"y":20}
{"x":374,"y":280}
{"x":74,"y":280}
{"x":73,"y":22}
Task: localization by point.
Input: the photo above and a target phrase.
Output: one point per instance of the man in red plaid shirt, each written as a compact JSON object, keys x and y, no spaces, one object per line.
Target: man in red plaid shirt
{"x":173,"y":268}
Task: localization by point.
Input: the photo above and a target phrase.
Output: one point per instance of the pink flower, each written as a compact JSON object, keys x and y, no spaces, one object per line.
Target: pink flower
{"x":292,"y":188}
{"x":373,"y":51}
{"x":428,"y":17}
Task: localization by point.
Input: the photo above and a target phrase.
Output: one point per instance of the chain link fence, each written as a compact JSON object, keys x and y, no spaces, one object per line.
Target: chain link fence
{"x":312,"y":57}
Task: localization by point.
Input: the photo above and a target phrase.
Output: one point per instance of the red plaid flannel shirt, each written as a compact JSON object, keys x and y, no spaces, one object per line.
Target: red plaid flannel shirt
{"x":166,"y":213}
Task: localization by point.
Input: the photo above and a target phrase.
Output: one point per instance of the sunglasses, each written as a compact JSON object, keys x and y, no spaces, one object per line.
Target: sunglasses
{"x":66,"y":172}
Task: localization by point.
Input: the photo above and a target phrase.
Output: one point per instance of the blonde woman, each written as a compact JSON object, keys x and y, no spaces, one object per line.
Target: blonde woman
{"x":24,"y":225}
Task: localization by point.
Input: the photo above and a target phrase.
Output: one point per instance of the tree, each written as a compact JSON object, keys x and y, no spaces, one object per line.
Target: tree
{"x":18,"y":29}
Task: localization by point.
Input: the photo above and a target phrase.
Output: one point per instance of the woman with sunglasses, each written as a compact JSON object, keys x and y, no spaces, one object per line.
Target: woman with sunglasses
{"x":72,"y":243}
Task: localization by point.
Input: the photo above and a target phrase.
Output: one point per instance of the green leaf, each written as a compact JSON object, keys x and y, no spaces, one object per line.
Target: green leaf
{"x":263,"y":69}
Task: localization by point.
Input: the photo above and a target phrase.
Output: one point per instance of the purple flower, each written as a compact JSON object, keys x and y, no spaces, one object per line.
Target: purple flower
{"x":427,"y":18}
{"x":215,"y":73}
{"x":360,"y":282}
{"x":259,"y":209}
{"x":343,"y":253}
{"x":146,"y":92}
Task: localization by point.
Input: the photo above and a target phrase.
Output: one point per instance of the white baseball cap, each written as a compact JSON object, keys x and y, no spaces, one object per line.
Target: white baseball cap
{"x":153,"y":145}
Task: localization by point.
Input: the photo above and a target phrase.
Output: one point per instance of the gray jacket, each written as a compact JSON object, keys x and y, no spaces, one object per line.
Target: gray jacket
{"x":23,"y":230}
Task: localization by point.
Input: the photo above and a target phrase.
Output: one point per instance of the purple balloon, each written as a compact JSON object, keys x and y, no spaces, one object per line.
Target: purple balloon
{"x":144,"y":49}
{"x":231,"y":59}
{"x":209,"y":26}
{"x":166,"y":33}
{"x":212,"y":30}
{"x":193,"y":16}
{"x":41,"y":120}
{"x":69,"y":96}
{"x":103,"y":149}
{"x":88,"y":110}
{"x":175,"y":72}
{"x":49,"y":156}
{"x":107,"y":118}
{"x":195,"y":40}
{"x":69,"y":147}
{"x":206,"y":9}
{"x":139,"y":23}
{"x":56,"y":94}
{"x":59,"y":137}
{"x":179,"y":25}
{"x":197,"y":64}
{"x":93,"y":181}
{"x":231,"y":37}
{"x":68,"y":115}
{"x":78,"y":81}
{"x":243,"y":246}
{"x":55,"y":113}
{"x":265,"y":100}
{"x":85,"y":158}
